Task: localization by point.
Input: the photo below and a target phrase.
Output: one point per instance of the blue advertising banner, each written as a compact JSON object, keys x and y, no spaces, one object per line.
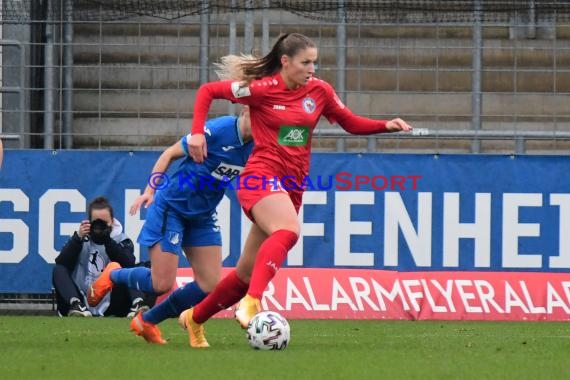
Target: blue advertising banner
{"x":400,"y":212}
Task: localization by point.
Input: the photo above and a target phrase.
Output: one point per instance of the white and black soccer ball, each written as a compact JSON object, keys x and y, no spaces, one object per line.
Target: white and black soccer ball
{"x":268,"y":330}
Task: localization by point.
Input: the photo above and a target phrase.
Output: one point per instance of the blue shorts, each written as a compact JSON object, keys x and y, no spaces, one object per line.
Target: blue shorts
{"x":172,"y":231}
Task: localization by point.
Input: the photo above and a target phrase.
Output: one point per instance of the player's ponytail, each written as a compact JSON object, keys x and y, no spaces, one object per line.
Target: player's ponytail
{"x":247,"y":67}
{"x":230,"y":67}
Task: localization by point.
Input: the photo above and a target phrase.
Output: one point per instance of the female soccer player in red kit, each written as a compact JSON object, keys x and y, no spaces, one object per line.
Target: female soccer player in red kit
{"x":286,"y":101}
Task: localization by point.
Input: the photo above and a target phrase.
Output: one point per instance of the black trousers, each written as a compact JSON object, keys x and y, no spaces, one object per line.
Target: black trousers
{"x":65,"y":289}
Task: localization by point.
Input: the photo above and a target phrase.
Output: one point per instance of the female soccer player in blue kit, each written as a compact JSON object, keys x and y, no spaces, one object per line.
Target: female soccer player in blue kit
{"x":182,"y":217}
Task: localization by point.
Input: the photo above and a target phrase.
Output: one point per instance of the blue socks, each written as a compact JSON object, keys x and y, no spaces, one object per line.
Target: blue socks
{"x":178,"y":301}
{"x":135,"y":278}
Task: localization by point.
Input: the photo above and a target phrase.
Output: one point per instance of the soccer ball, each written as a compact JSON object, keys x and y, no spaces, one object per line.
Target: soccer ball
{"x":268,"y":330}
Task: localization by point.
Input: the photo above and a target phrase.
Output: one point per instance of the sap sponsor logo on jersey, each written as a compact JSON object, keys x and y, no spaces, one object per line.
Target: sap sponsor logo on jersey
{"x":226,"y":172}
{"x":239,"y":90}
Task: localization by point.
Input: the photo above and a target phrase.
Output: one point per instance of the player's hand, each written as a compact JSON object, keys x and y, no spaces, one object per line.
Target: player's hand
{"x":145,"y":199}
{"x":398,"y":125}
{"x":197,"y":147}
{"x":84,"y":229}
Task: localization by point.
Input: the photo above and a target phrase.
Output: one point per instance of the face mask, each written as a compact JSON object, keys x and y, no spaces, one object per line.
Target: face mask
{"x":100,"y":232}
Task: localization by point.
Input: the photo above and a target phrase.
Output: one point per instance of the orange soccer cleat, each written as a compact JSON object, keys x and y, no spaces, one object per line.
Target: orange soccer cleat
{"x":150,"y":332}
{"x":103,"y":285}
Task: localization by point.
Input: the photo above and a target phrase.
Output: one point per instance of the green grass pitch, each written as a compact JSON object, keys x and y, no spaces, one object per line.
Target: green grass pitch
{"x":103,"y":348}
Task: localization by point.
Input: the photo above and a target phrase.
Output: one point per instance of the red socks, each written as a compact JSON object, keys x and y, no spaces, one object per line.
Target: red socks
{"x":270,"y":257}
{"x":228,"y":292}
{"x":231,"y":289}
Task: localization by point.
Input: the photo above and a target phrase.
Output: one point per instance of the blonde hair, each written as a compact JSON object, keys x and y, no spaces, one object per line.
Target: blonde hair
{"x":231,"y":66}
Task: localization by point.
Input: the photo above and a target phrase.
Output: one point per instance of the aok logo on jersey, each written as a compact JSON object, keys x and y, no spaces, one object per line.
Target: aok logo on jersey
{"x":293,"y":135}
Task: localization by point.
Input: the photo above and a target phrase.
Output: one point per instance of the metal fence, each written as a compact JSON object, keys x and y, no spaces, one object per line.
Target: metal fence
{"x":481,"y":76}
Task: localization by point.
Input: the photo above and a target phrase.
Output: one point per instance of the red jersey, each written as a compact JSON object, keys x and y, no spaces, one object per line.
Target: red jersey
{"x":282,"y":120}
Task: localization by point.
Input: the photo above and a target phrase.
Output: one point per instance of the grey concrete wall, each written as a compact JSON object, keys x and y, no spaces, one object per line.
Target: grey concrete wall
{"x":12,"y":121}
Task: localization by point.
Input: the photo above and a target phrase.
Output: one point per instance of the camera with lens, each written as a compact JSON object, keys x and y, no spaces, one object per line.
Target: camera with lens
{"x":100,"y":232}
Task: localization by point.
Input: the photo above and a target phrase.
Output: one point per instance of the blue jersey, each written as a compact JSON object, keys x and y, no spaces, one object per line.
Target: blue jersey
{"x":197,"y":189}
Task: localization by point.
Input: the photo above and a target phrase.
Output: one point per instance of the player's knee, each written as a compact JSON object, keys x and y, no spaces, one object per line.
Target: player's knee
{"x":292,"y":226}
{"x":295,"y":229}
{"x":297,"y":233}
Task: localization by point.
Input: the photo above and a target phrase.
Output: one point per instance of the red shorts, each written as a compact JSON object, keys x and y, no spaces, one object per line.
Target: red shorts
{"x":252,"y":188}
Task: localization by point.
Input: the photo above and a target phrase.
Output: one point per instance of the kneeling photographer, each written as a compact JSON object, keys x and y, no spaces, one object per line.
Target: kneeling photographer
{"x":96,"y":242}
